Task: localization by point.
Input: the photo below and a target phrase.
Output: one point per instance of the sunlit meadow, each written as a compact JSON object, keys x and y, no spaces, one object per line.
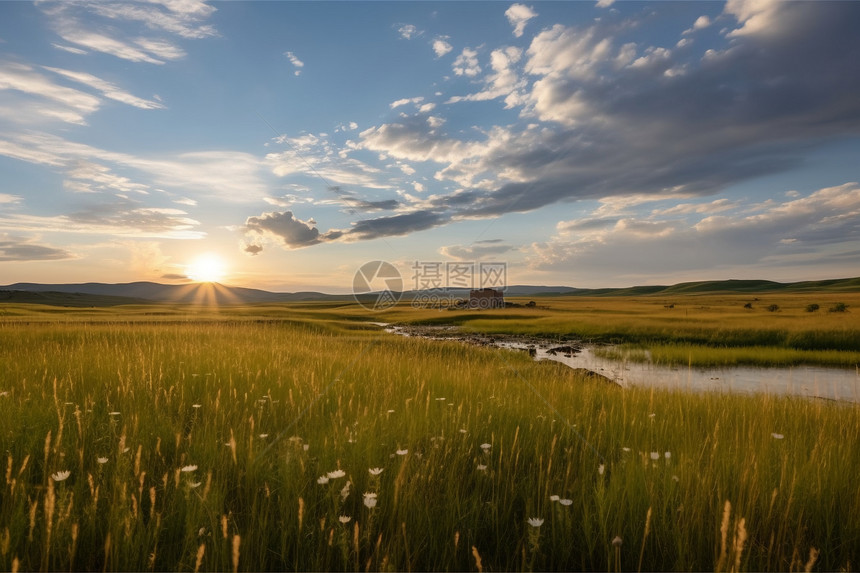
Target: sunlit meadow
{"x":296,"y":438}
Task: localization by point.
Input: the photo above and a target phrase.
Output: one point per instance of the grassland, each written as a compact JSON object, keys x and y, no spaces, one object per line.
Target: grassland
{"x":198,"y":440}
{"x":689,"y":329}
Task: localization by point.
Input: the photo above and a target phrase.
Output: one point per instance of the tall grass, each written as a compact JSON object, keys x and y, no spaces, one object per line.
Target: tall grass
{"x":215,"y":436}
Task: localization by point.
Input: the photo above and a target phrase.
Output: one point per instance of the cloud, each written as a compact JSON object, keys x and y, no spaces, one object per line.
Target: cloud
{"x":441,"y":46}
{"x":405,"y":101}
{"x":182,"y":17}
{"x":87,"y":26}
{"x":466,"y":63}
{"x":108,"y":89}
{"x":477,"y":251}
{"x":505,"y":81}
{"x":595,"y":102}
{"x":694,"y":238}
{"x":120,"y":217}
{"x":701,"y":23}
{"x":519,"y":15}
{"x":53,"y":101}
{"x":297,"y":63}
{"x":7,"y":199}
{"x":282,"y":227}
{"x":226,"y":175}
{"x":408,"y":31}
{"x":70,"y":49}
{"x":395,"y":225}
{"x":19,"y":249}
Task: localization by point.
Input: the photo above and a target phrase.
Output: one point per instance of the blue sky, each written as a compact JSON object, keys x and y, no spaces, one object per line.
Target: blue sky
{"x":583,"y":144}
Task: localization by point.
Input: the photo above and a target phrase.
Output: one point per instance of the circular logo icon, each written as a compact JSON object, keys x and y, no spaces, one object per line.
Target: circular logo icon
{"x":377,"y":285}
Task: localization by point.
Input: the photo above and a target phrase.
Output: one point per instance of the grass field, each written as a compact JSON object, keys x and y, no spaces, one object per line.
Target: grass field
{"x":697,"y":330}
{"x":173,"y":438}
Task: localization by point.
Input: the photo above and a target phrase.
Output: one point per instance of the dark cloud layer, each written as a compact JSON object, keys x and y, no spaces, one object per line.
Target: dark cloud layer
{"x":653,"y":120}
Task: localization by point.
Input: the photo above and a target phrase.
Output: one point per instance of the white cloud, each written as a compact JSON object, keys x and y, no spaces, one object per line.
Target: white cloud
{"x":297,"y":63}
{"x":107,"y":45}
{"x":226,"y":175}
{"x":505,"y":81}
{"x":408,"y":31}
{"x":441,"y":46}
{"x":466,"y":63}
{"x":691,"y":238}
{"x":108,"y":89}
{"x":755,"y":16}
{"x":85,"y":25}
{"x":519,"y":15}
{"x":605,"y":3}
{"x":477,"y":251}
{"x":405,"y":101}
{"x":70,"y":49}
{"x":55,"y":101}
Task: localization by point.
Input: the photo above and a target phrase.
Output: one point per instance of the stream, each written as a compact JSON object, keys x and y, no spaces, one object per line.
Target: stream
{"x":807,"y":381}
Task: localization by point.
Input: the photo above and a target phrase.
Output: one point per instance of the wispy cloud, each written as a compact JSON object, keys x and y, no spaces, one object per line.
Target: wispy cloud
{"x":86,"y":26}
{"x":54,"y":101}
{"x":297,"y":63}
{"x":13,"y":248}
{"x":107,"y":89}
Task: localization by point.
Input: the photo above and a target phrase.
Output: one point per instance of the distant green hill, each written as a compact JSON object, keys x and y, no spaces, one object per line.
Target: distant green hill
{"x":728,"y":287}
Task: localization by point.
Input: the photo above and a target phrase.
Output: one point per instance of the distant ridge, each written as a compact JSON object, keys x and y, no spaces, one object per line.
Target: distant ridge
{"x":102,"y":294}
{"x":727,"y":286}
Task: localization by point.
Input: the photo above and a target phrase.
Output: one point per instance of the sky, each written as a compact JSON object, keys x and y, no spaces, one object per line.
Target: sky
{"x":281,"y":145}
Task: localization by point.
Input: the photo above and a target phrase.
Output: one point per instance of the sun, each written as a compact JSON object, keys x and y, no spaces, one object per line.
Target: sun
{"x":207,"y":268}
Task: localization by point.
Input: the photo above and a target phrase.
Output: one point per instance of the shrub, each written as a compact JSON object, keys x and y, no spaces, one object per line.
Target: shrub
{"x":812,"y":307}
{"x":839,"y":307}
{"x":773,"y":307}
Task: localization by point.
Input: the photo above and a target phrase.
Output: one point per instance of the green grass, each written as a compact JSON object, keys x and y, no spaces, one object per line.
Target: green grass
{"x":265,"y":400}
{"x":705,"y":329}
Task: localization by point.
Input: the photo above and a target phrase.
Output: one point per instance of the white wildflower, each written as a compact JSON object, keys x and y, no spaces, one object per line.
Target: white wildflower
{"x":777,"y":436}
{"x":482,"y":467}
{"x":401,"y":452}
{"x":344,"y":518}
{"x":535,"y":521}
{"x":376,"y":471}
{"x":336,"y":474}
{"x":102,"y":460}
{"x":369,"y":500}
{"x":554,"y":498}
{"x":655,"y":455}
{"x":60,"y":476}
{"x":600,"y":469}
{"x":565,"y":502}
{"x":188,"y":469}
{"x":322,"y":480}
